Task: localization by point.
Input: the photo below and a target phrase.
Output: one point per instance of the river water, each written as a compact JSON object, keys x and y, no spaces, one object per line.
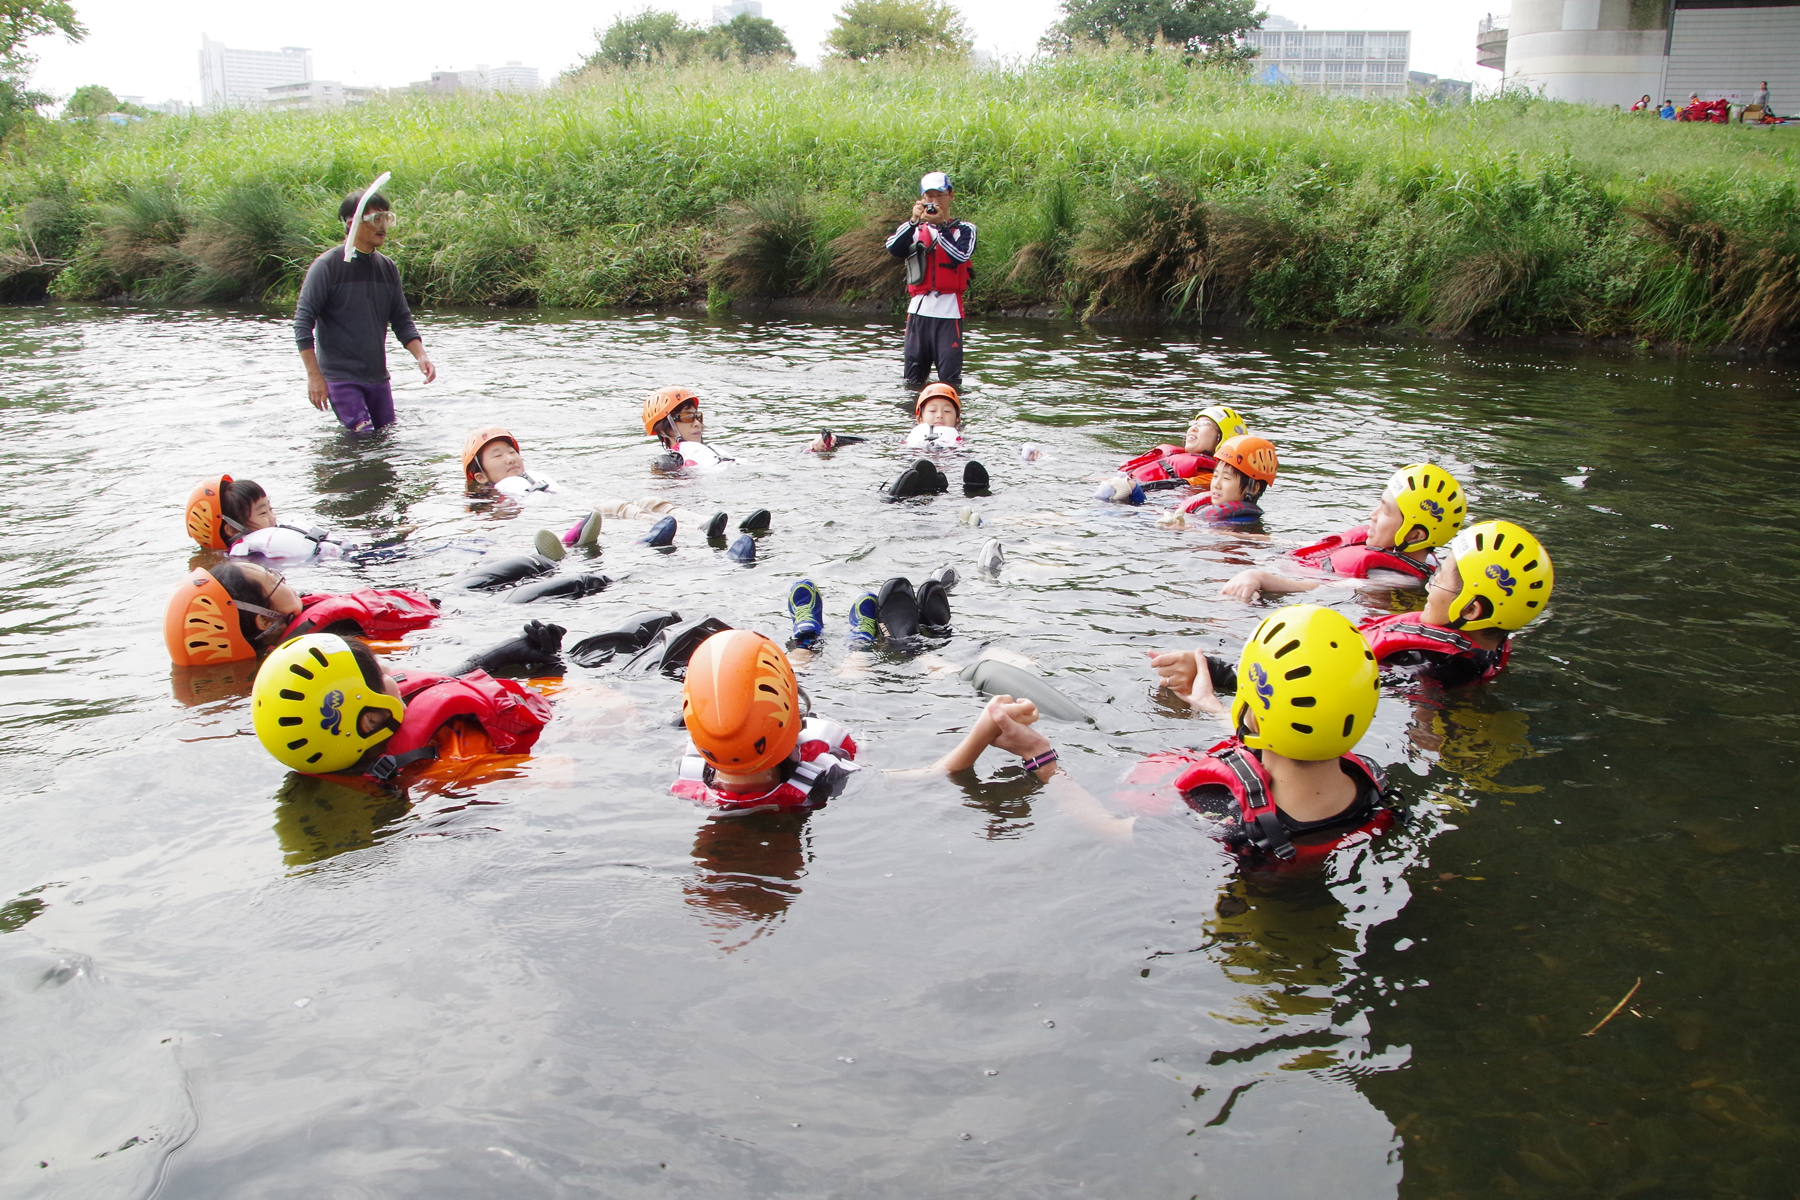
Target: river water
{"x":219,"y":981}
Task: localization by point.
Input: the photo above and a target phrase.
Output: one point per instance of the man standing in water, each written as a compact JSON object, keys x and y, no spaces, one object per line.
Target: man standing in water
{"x":937,"y":248}
{"x":350,"y":305}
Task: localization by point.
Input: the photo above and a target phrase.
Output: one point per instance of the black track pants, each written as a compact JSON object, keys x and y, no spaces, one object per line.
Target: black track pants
{"x":933,"y":340}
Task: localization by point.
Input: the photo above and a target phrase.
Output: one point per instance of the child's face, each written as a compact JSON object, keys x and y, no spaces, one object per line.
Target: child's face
{"x":1202,"y":436}
{"x":939,"y":411}
{"x":689,"y":424}
{"x":372,"y":719}
{"x":498,"y":460}
{"x":277,"y":595}
{"x":1227,"y":484}
{"x":261,"y":515}
{"x":1384,"y":524}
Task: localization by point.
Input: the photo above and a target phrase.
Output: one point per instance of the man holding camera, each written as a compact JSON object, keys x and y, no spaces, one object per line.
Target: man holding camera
{"x":937,"y":248}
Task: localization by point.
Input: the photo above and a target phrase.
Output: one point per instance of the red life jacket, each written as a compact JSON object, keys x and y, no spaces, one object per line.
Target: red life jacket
{"x":1259,"y":833}
{"x":943,"y":274}
{"x":1401,"y":632}
{"x":1169,"y":463}
{"x":511,"y":714}
{"x":1349,"y":554}
{"x":377,"y":612}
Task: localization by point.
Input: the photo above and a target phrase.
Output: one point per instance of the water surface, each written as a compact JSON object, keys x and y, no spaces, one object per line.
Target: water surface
{"x":220,"y":980}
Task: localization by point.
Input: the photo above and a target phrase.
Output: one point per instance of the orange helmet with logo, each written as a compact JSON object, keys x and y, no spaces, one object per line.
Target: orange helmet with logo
{"x":662,"y":403}
{"x":935,"y":390}
{"x":1252,"y":455}
{"x":476,"y":442}
{"x":201,"y":625}
{"x":206,"y":519}
{"x":741,"y":702}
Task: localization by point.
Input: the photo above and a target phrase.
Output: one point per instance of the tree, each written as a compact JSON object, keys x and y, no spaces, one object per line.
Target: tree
{"x":868,"y":29}
{"x":745,"y":37}
{"x":21,"y":20}
{"x":654,"y":35}
{"x":91,"y":101}
{"x":1209,"y":27}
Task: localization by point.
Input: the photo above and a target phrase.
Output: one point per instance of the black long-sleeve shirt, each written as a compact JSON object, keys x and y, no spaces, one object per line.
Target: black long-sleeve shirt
{"x":350,"y":305}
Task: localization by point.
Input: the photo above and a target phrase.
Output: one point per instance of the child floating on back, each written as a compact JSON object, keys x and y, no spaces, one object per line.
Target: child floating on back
{"x":1422,"y":507}
{"x":1192,"y":462}
{"x":1245,"y":467}
{"x":672,"y":416}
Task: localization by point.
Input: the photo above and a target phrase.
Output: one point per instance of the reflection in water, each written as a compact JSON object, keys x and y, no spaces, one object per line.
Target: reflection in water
{"x":356,"y":483}
{"x":194,"y":686}
{"x":1471,"y":741}
{"x":1285,"y":939}
{"x":1006,"y":799}
{"x":748,"y":874}
{"x":317,"y":818}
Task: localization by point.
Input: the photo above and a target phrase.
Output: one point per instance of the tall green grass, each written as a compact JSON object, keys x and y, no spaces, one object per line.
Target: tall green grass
{"x":1100,"y":182}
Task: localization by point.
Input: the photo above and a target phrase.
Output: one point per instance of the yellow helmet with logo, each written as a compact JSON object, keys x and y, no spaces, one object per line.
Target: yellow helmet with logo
{"x":1503,"y":565}
{"x":1429,"y":498}
{"x":307,"y":701}
{"x":1310,"y":679}
{"x":1231,"y":424}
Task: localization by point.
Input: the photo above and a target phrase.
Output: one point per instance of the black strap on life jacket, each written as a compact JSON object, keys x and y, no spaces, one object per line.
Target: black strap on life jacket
{"x":390,"y":765}
{"x":1257,"y":812}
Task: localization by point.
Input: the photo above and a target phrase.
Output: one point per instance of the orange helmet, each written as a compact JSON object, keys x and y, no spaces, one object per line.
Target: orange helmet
{"x":206,"y":519}
{"x":1252,"y":455}
{"x":938,"y":389}
{"x":476,"y":442}
{"x":201,"y":624}
{"x":741,"y":702}
{"x":662,"y":403}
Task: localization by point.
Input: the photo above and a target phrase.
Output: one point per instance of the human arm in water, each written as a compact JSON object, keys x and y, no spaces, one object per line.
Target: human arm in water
{"x":1251,"y":584}
{"x":1006,"y":723}
{"x":1180,"y":672}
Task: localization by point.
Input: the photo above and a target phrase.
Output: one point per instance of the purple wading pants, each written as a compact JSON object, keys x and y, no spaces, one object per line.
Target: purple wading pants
{"x":362,"y":406}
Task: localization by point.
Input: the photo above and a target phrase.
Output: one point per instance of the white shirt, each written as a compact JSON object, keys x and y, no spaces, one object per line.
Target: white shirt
{"x":937,"y":304}
{"x":518,"y":485}
{"x":934,"y":435}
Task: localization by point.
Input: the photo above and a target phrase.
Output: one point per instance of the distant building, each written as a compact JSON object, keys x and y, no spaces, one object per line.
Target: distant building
{"x":168,"y":108}
{"x":1615,"y":51}
{"x":311,"y":94}
{"x":1341,"y":62}
{"x":1441,"y":91}
{"x":240,"y":78}
{"x":513,"y":77}
{"x":723,"y":14}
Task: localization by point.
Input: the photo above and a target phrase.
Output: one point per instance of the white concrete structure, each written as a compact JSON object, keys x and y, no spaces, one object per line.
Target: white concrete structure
{"x":1615,"y":51}
{"x":511,"y":78}
{"x":313,"y":94}
{"x":1342,"y":62}
{"x":240,"y":78}
{"x":724,"y":13}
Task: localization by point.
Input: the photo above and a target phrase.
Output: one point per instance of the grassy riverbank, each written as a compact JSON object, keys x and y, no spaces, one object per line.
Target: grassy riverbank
{"x":1099,"y":183}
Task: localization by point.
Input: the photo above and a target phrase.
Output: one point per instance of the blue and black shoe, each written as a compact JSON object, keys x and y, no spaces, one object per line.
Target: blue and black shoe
{"x":743,"y":550}
{"x":661,"y":533}
{"x":863,"y":617}
{"x":807,"y":608}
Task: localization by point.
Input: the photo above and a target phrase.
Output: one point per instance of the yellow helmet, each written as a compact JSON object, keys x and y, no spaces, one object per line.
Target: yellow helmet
{"x":1230,"y":423}
{"x":1312,"y":681}
{"x":306,"y":702}
{"x":1429,"y":498}
{"x":1505,"y":566}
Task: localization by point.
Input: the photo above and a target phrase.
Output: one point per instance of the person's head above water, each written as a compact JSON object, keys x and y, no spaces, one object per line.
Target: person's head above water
{"x":226,"y":614}
{"x":490,"y":455}
{"x":378,"y":217}
{"x":1307,"y":685}
{"x":247,"y":505}
{"x":323,"y":703}
{"x":1247,"y":466}
{"x":938,"y":404}
{"x":1421,"y":507}
{"x":1494,"y":575}
{"x":1212,"y":426}
{"x":741,"y":704}
{"x":672,"y":415}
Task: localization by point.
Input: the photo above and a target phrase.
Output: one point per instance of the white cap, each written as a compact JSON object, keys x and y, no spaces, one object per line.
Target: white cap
{"x":934,"y":181}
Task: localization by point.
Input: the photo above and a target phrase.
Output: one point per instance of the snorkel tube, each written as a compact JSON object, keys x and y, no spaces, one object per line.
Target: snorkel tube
{"x":361,"y":203}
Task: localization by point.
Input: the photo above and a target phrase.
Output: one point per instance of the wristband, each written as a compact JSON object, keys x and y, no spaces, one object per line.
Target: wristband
{"x":1041,"y":761}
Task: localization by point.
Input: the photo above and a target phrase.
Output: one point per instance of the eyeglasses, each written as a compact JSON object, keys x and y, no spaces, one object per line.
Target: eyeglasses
{"x":280,"y":582}
{"x":688,"y":414}
{"x":381,"y":219}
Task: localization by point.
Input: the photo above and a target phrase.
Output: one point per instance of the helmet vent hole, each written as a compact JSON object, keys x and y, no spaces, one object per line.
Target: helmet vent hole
{"x":1299,"y":728}
{"x":296,"y":743}
{"x":1270,"y":636}
{"x":1349,"y":724}
{"x":320,"y":655}
{"x":299,"y":670}
{"x":291,"y":694}
{"x":1299,"y":672}
{"x":290,"y":721}
{"x":315,"y":758}
{"x":1292,"y":645}
{"x":762,"y":744}
{"x":1304,"y":701}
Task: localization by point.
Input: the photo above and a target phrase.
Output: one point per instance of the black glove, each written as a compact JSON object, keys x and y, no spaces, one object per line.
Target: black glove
{"x":534,"y":652}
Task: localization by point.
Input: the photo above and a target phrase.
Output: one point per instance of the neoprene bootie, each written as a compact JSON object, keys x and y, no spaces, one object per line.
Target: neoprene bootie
{"x":563,"y":587}
{"x":934,"y":605}
{"x":534,"y":652}
{"x":897,"y":609}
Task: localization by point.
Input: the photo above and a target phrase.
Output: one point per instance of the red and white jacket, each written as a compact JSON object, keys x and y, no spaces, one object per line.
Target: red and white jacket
{"x":827,"y":755}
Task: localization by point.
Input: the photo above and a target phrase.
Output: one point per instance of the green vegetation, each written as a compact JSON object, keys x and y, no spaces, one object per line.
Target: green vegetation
{"x":870,"y":29}
{"x":657,"y":36}
{"x":1120,"y":181}
{"x":21,"y":20}
{"x":1208,"y":27}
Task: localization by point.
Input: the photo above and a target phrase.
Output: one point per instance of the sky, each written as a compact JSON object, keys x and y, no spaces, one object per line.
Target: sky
{"x":138,"y":48}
